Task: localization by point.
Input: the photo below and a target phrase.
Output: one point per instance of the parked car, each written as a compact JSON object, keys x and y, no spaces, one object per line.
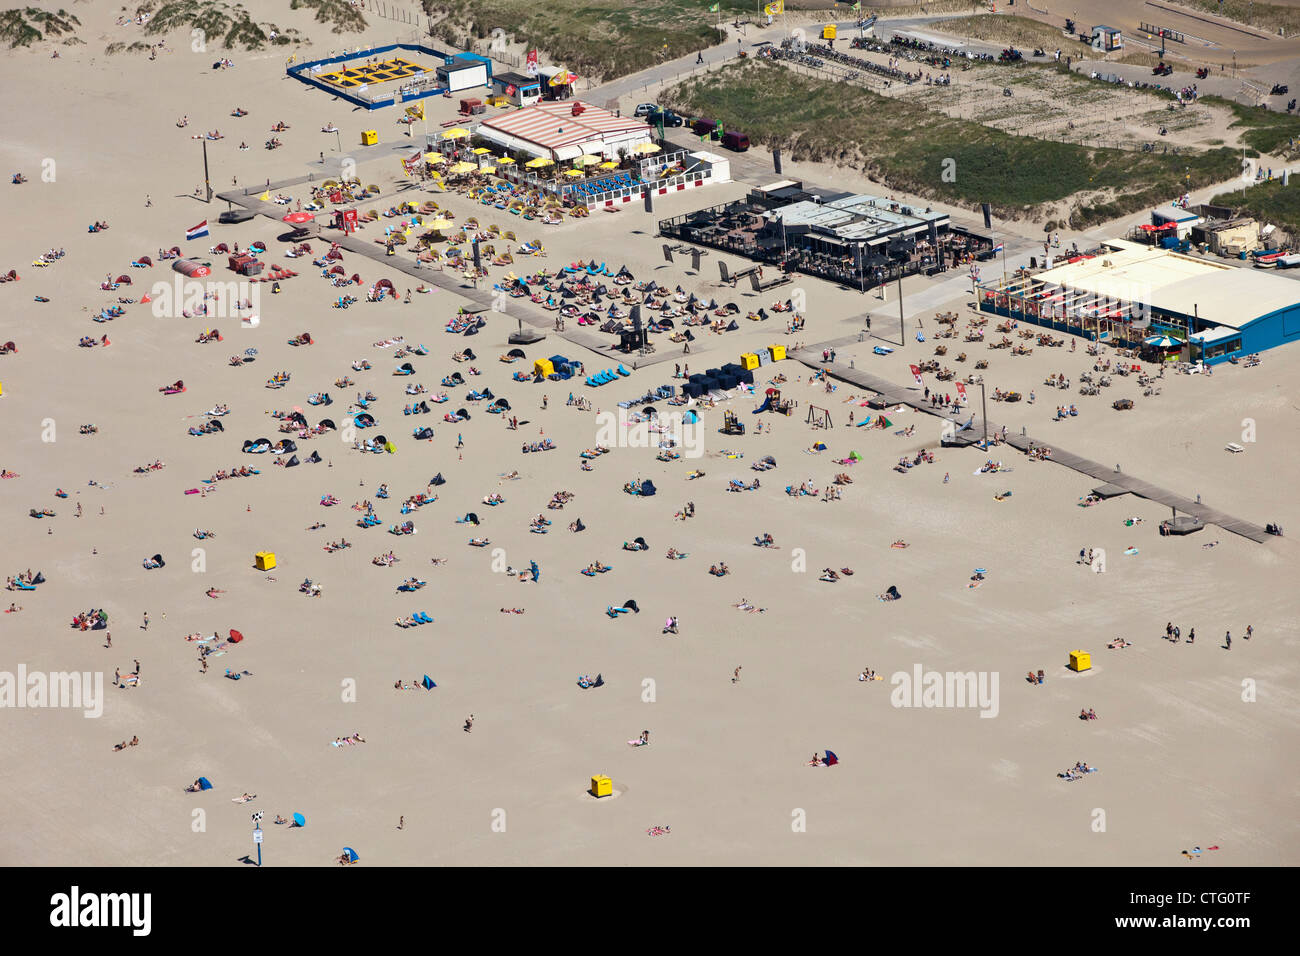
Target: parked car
{"x":645,"y":109}
{"x":704,"y":127}
{"x":665,"y":118}
{"x":737,"y":142}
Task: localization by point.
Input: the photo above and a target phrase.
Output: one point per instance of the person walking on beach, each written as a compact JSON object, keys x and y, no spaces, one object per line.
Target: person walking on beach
{"x":735,"y":676}
{"x":460,"y":441}
{"x":1227,"y":638}
{"x":1249,"y":631}
{"x":145,"y":625}
{"x":110,"y":640}
{"x":401,"y":823}
{"x":1191,"y":636}
{"x":469,"y":723}
{"x":136,"y":672}
{"x":117,"y":677}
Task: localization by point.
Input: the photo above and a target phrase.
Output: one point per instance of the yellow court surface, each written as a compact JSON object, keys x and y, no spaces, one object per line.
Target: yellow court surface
{"x":382,"y":72}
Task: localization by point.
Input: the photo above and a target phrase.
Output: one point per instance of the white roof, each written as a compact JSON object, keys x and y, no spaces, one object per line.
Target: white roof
{"x":1214,"y":334}
{"x":1215,"y":292}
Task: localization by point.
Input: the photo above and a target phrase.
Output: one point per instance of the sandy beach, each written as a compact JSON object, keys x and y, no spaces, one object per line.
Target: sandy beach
{"x":1191,"y":741}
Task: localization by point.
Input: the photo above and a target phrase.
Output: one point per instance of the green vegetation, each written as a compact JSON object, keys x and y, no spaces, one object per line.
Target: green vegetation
{"x":1020,"y":32}
{"x":908,"y":147}
{"x":231,"y":24}
{"x":595,"y":38}
{"x":1267,"y":202}
{"x":1264,"y":130}
{"x":23,"y":26}
{"x":344,"y":17}
{"x":1269,"y":17}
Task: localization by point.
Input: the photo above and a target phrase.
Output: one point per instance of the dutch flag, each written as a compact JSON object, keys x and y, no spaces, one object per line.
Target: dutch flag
{"x":998,"y":248}
{"x":195,"y":232}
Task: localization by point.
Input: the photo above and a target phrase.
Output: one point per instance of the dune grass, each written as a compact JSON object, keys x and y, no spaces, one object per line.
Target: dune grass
{"x":230,"y":24}
{"x":594,"y":38}
{"x":339,"y":14}
{"x":933,"y":155}
{"x":1264,"y":130}
{"x":23,"y":26}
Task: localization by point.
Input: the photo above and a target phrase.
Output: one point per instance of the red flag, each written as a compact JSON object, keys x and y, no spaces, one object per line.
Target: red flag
{"x":961,"y":389}
{"x":916,"y":373}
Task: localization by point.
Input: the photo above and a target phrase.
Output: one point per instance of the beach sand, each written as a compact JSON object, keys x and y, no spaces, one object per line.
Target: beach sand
{"x":1184,"y":759}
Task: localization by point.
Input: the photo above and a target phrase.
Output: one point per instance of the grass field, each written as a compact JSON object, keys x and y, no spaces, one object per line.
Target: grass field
{"x":595,"y":38}
{"x":1267,"y":202}
{"x":909,"y":148}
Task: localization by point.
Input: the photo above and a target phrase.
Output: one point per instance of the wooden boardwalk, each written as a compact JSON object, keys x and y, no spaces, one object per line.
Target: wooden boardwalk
{"x":901,"y":395}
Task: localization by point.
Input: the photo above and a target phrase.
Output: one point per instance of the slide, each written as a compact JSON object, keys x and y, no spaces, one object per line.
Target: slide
{"x":766,"y":406}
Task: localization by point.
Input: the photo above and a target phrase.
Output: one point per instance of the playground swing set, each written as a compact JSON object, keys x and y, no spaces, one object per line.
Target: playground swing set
{"x":819,"y":417}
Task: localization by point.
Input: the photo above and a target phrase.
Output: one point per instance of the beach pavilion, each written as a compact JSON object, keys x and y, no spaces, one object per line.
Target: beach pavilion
{"x":1127,"y":293}
{"x":563,"y":131}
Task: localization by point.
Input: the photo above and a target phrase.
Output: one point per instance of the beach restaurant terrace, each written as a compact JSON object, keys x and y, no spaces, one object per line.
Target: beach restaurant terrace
{"x":1126,"y":294}
{"x":854,"y":239}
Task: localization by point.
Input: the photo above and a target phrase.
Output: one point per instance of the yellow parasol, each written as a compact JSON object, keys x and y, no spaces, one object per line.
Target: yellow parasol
{"x":575,"y":173}
{"x":460,"y":168}
{"x":540,"y":162}
{"x":440,"y":224}
{"x":480,"y":150}
{"x":645,"y":148}
{"x":487,"y":169}
{"x":587,"y":160}
{"x":456,"y":133}
{"x":505,"y":161}
{"x":437,"y":159}
{"x":609,"y":165}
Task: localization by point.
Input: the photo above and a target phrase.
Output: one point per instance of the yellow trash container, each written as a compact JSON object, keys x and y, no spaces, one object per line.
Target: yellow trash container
{"x":778,"y":352}
{"x":369,"y":137}
{"x":749,"y":361}
{"x":264,"y":560}
{"x":1080,"y":661}
{"x":829,"y":31}
{"x":601,"y":786}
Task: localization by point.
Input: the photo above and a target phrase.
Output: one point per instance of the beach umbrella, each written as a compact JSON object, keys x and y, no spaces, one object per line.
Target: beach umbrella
{"x":505,"y":161}
{"x":456,"y":133}
{"x":299,"y":820}
{"x":575,"y":173}
{"x":437,"y":159}
{"x":539,"y":163}
{"x":428,"y":683}
{"x":297,"y":218}
{"x":609,"y":164}
{"x":587,"y":160}
{"x":204,"y":783}
{"x":480,"y":150}
{"x":1161,"y":342}
{"x":461,"y":168}
{"x":351,"y":854}
{"x":646,"y":148}
{"x":487,"y":169}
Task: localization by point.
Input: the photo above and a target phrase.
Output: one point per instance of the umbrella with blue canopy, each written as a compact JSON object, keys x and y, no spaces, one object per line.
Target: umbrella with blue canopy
{"x":1161,"y":342}
{"x":299,"y":820}
{"x":351,"y":854}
